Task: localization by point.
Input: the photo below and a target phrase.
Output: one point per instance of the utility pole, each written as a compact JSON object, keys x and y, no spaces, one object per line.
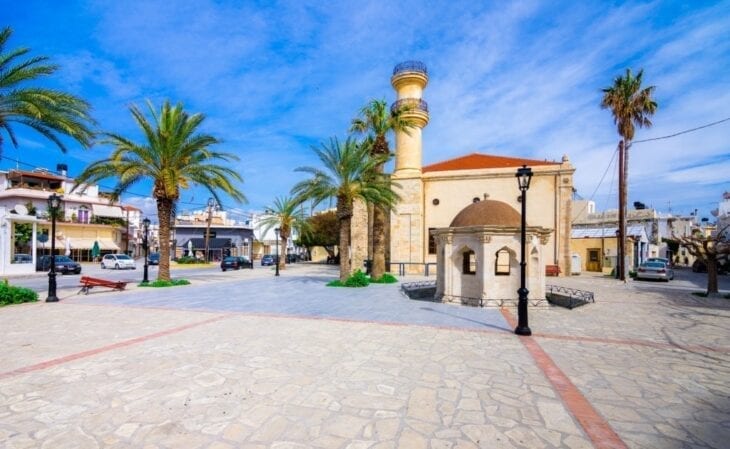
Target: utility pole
{"x":622,"y":197}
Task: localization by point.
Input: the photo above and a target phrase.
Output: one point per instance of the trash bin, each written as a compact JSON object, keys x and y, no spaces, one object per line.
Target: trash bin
{"x":368,"y":263}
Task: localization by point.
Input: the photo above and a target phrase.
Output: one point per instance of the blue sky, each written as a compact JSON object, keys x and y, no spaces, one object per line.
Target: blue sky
{"x":509,"y":78}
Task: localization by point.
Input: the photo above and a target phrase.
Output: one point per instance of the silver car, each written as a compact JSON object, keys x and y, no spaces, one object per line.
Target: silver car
{"x":655,"y":270}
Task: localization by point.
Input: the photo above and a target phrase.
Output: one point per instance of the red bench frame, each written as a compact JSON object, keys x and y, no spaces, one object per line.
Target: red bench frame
{"x":88,"y":282}
{"x":552,"y":270}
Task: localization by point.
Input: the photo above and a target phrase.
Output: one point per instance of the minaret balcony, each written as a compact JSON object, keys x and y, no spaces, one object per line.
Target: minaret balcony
{"x":413,"y":109}
{"x":409,"y":72}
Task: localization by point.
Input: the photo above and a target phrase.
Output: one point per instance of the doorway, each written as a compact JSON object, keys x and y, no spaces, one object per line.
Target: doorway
{"x":593,"y":261}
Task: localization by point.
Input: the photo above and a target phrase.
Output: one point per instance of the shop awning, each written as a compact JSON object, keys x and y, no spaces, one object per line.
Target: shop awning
{"x":87,"y":243}
{"x":107,"y":211}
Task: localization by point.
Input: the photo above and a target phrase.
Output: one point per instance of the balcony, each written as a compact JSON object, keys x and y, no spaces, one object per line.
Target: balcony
{"x":410,"y":66}
{"x":408,"y":105}
{"x":412,"y":109}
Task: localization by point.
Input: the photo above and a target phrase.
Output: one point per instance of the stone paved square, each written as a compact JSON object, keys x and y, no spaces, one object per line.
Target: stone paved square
{"x":252,"y":361}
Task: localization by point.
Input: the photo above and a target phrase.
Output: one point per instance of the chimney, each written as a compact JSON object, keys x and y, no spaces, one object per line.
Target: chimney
{"x":62,"y":169}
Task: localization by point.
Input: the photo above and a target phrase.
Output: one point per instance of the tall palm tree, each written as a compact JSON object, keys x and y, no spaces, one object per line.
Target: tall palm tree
{"x":376,"y":121}
{"x":348,"y":173}
{"x":173,"y":156}
{"x":631,"y":106}
{"x":49,"y":112}
{"x":287,"y":214}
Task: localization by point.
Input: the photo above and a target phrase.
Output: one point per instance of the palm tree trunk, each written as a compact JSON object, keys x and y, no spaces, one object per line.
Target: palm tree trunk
{"x":378,"y":267}
{"x":164,"y":213}
{"x":621,"y":237}
{"x":378,"y":262}
{"x":282,"y":254}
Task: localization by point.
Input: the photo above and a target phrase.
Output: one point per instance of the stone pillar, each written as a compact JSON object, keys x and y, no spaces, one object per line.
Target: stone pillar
{"x":407,"y":222}
{"x":359,"y":235}
{"x":565,"y":203}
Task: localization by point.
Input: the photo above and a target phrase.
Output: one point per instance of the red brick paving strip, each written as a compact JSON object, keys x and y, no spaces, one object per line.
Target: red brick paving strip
{"x":121,"y":344}
{"x":597,"y":428}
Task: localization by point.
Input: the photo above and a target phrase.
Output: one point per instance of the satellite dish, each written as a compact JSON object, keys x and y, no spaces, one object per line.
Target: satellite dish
{"x":20,"y":209}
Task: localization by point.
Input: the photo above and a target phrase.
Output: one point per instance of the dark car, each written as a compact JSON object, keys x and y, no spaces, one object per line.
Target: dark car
{"x":235,"y":263}
{"x":64,"y":265}
{"x":267,"y":259}
{"x":700,"y":267}
{"x":153,"y":259}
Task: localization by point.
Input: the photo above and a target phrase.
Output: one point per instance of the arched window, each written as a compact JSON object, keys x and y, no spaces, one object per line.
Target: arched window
{"x":469,"y":262}
{"x":501,"y":265}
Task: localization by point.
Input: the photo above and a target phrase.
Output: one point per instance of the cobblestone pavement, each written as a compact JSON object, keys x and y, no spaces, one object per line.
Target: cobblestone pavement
{"x":247,"y":360}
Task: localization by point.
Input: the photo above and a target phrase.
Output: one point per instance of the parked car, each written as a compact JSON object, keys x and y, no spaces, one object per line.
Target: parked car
{"x":700,"y":267}
{"x":63,"y":265}
{"x":235,"y":263}
{"x":292,"y":258}
{"x":22,"y":258}
{"x":118,"y":262}
{"x":153,"y":259}
{"x":660,"y":259}
{"x":268,"y":259}
{"x":655,"y":270}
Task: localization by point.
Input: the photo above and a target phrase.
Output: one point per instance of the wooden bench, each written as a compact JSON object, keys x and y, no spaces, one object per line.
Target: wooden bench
{"x":552,"y":270}
{"x":88,"y":282}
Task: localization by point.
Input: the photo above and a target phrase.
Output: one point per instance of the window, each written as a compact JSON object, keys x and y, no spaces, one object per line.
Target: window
{"x":469,"y":264}
{"x":431,"y":241}
{"x":501,"y":267}
{"x":83,"y":216}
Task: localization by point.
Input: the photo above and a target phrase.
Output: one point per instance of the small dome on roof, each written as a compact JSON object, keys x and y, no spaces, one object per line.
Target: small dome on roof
{"x":487,"y":213}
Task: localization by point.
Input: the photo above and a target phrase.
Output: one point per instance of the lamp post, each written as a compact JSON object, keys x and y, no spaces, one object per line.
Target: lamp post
{"x":276,"y":231}
{"x":54,"y":204}
{"x":212,"y":204}
{"x":146,"y":246}
{"x":523,"y":175}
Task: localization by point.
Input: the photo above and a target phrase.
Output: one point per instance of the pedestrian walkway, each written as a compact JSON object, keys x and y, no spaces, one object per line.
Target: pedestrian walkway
{"x":255,"y":361}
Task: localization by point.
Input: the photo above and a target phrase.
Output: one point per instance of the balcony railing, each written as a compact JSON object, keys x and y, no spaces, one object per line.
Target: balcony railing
{"x":409,"y":104}
{"x":410,"y":66}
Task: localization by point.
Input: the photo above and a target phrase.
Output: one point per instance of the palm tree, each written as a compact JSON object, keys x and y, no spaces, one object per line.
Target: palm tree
{"x":376,"y":121}
{"x":49,"y":112}
{"x":287,"y":214}
{"x":631,"y":106}
{"x":173,"y":156}
{"x":349,"y":172}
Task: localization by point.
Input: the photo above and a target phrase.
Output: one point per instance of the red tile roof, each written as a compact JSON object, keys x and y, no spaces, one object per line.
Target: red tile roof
{"x":476,"y":161}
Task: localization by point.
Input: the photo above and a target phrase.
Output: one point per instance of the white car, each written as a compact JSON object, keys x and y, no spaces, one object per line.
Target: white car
{"x":118,"y":262}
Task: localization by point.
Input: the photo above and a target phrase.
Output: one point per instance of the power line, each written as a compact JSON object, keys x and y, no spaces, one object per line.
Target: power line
{"x":682,"y":132}
{"x":605,"y":172}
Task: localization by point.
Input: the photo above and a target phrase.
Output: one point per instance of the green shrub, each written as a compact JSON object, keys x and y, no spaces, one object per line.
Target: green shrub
{"x":387,"y":278}
{"x":188,"y":260}
{"x":161,"y":283}
{"x":15,"y":295}
{"x":357,"y":279}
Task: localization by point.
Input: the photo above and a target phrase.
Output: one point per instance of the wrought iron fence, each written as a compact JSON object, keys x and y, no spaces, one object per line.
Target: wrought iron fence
{"x":409,"y":104}
{"x":410,"y":66}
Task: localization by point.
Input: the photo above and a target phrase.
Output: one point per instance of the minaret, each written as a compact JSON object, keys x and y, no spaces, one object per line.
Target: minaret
{"x":408,"y":240}
{"x":409,"y":79}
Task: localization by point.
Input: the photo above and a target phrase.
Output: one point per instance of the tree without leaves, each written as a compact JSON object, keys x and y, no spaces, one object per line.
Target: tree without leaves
{"x":287,"y":214}
{"x":376,"y":121}
{"x":49,"y":112}
{"x":631,"y":106}
{"x":173,"y":156}
{"x":349,"y":172}
{"x":711,"y":250}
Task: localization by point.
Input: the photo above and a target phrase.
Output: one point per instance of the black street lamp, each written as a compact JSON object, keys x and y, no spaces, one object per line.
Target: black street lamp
{"x":54,"y":204}
{"x":146,"y":246}
{"x":276,"y":231}
{"x":523,"y":175}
